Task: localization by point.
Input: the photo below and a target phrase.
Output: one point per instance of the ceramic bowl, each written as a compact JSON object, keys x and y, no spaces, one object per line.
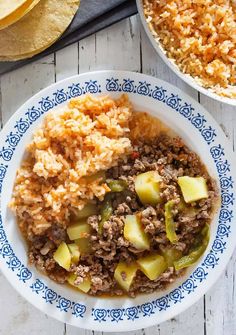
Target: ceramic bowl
{"x":201,"y":133}
{"x":187,"y":78}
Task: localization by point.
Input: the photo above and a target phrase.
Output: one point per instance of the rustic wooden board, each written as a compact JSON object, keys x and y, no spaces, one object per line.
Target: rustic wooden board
{"x":123,"y":46}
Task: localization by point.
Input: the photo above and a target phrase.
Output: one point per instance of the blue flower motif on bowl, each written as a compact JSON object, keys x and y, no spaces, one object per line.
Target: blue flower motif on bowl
{"x":91,"y":86}
{"x":189,"y":285}
{"x":14,"y":263}
{"x":50,"y":295}
{"x":200,"y":274}
{"x":13,"y":139}
{"x":186,"y":110}
{"x":227,"y":199}
{"x":64,"y":304}
{"x":226,"y":183}
{"x":60,"y":96}
{"x":22,"y":126}
{"x":25,"y":274}
{"x":222,"y":167}
{"x":162,"y":303}
{"x":79,"y":310}
{"x":6,"y":153}
{"x":223,"y":230}
{"x":132,"y":313}
{"x":46,"y":104}
{"x":217,"y":152}
{"x":176,"y":295}
{"x":33,"y":114}
{"x":128,"y":85}
{"x":211,"y":260}
{"x":159,"y":93}
{"x":112,"y":85}
{"x":75,"y":90}
{"x":2,"y":236}
{"x":198,"y":121}
{"x":37,"y":286}
{"x":3,"y":170}
{"x":209,"y":134}
{"x":143,"y":88}
{"x":6,"y":250}
{"x":147,"y":309}
{"x":116,"y":314}
{"x":226,"y":215}
{"x":173,"y":101}
{"x":100,"y":314}
{"x":218,"y":245}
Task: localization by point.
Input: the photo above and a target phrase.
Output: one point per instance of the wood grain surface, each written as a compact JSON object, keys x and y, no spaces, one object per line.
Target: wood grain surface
{"x":123,"y":46}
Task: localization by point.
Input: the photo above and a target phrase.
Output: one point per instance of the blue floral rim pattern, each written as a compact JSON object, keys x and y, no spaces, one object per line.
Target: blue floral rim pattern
{"x":216,"y":150}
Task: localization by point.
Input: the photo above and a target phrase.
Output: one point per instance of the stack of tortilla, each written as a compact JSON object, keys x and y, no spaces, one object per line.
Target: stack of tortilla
{"x":27,"y":27}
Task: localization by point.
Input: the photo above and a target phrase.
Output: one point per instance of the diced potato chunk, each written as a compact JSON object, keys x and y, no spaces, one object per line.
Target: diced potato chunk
{"x":75,"y":254}
{"x":147,"y":186}
{"x":62,"y":256}
{"x":193,"y":188}
{"x":152,"y":266}
{"x":88,"y":210}
{"x":84,"y":245}
{"x":78,"y":230}
{"x":135,"y":234}
{"x":84,"y":286}
{"x":124,"y":274}
{"x":171,"y":255}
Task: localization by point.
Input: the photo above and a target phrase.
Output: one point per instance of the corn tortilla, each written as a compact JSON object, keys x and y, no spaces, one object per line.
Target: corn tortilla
{"x":37,"y":30}
{"x":9,"y":6}
{"x":16,"y":14}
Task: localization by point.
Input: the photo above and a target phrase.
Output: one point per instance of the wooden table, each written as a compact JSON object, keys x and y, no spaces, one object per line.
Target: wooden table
{"x":123,"y":46}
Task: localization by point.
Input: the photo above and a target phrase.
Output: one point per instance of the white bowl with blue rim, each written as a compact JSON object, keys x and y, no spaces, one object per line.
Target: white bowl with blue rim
{"x":201,"y":133}
{"x":185,"y":77}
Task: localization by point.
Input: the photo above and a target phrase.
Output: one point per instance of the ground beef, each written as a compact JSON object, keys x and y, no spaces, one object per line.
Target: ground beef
{"x":171,"y":159}
{"x":57,"y":234}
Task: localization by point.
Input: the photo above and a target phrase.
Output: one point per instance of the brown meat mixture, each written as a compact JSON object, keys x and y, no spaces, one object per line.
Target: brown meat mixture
{"x":172,"y":159}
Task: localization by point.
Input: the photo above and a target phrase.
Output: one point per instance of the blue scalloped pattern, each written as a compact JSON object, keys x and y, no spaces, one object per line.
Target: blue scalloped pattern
{"x":219,"y":245}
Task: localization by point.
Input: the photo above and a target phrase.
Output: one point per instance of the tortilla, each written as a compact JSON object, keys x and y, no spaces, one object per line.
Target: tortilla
{"x":9,"y":6}
{"x":12,"y":11}
{"x":37,"y":30}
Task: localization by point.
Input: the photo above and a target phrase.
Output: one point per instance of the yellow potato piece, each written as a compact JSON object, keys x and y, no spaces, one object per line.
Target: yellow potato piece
{"x":75,"y":253}
{"x":171,"y":255}
{"x":86,"y":211}
{"x":84,"y":245}
{"x":124,"y":274}
{"x":78,"y":230}
{"x":152,"y":266}
{"x":62,"y":256}
{"x":85,"y":286}
{"x":147,"y":187}
{"x":135,"y":234}
{"x":193,"y":188}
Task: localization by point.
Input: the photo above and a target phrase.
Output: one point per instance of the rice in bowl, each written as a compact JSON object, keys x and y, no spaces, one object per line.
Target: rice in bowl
{"x":73,"y":143}
{"x":200,"y":37}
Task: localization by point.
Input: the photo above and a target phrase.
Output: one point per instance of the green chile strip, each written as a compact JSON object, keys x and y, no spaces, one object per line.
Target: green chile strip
{"x":116,"y":185}
{"x":106,"y":212}
{"x":193,"y":256}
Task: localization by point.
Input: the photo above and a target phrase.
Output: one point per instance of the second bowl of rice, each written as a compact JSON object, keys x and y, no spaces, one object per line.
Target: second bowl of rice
{"x":197,"y":41}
